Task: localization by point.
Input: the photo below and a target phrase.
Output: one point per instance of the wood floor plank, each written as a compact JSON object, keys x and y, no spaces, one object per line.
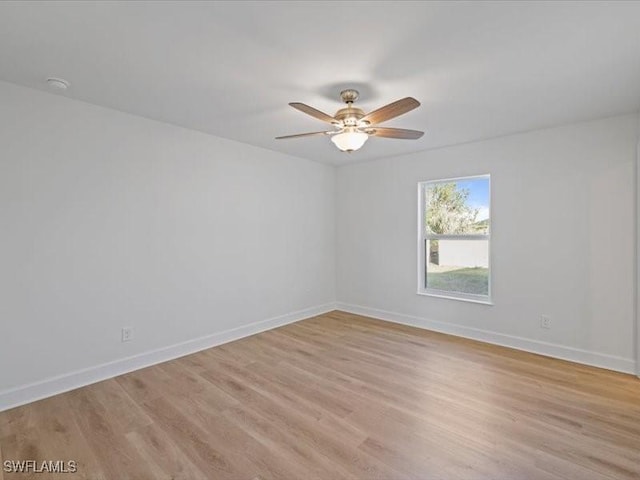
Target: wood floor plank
{"x":340,"y":396}
{"x":124,"y":414}
{"x":305,"y":429}
{"x":313,"y":465}
{"x":162,"y":454}
{"x":19,"y":418}
{"x":116,"y":456}
{"x":195,"y":442}
{"x":54,"y":436}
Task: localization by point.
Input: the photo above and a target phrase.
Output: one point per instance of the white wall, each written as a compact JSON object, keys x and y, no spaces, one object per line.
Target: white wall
{"x":111,"y":220}
{"x":463,"y":253}
{"x":637,"y":279}
{"x":563,"y":232}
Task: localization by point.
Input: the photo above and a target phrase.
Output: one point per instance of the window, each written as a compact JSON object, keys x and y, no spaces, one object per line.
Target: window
{"x":453,"y":247}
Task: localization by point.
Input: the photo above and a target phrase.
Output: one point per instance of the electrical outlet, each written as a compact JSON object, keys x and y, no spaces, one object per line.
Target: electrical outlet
{"x":545,"y":322}
{"x":127,"y":334}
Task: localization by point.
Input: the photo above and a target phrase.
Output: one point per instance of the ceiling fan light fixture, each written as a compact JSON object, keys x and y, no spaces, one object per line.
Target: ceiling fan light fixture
{"x":350,"y":140}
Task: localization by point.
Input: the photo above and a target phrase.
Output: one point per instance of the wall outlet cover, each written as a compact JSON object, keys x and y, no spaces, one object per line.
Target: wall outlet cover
{"x":545,"y":322}
{"x":127,"y":334}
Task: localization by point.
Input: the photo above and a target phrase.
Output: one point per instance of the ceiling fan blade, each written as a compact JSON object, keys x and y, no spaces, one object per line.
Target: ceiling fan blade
{"x":313,"y":112}
{"x":392,"y":110}
{"x":394,"y":133}
{"x":310,"y":134}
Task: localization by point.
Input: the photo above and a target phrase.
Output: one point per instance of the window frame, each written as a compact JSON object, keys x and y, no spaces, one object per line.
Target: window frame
{"x":423,"y":237}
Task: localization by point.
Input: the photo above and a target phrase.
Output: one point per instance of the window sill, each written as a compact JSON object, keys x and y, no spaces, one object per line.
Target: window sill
{"x":481,"y":301}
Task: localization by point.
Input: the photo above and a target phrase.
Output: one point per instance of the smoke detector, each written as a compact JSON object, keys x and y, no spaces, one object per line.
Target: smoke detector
{"x":58,"y":84}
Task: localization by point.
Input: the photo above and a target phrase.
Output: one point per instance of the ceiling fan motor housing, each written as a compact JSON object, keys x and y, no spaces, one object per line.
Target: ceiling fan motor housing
{"x":349,"y":116}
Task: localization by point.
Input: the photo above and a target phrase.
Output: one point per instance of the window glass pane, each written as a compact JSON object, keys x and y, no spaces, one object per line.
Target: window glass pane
{"x":460,"y":266}
{"x":457,"y":207}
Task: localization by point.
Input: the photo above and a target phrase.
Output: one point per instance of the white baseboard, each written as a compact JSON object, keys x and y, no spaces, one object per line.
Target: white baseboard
{"x":577,"y":355}
{"x":62,"y":383}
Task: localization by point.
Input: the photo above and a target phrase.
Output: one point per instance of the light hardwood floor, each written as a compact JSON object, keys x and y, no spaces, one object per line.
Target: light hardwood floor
{"x":341,"y":396}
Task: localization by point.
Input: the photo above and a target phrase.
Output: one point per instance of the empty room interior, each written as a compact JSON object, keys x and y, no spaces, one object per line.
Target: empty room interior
{"x":364,"y":240}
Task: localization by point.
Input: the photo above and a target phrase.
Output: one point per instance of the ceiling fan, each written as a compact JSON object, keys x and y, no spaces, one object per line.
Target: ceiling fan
{"x":352,"y":127}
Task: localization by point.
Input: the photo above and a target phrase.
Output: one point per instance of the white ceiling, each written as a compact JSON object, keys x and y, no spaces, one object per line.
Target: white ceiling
{"x":229,"y":68}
